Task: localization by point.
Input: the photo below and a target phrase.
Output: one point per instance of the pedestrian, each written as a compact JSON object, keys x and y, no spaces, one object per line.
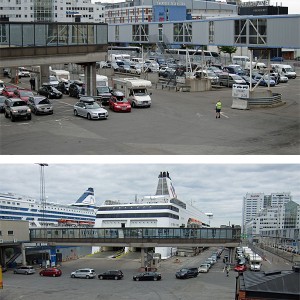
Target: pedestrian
{"x":218,"y":109}
{"x":32,"y":83}
{"x":227,"y":270}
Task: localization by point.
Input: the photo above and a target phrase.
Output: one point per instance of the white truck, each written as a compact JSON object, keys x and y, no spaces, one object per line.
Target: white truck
{"x":135,"y":90}
{"x":285,"y":70}
{"x":255,"y":262}
{"x":60,"y":74}
{"x":101,"y":80}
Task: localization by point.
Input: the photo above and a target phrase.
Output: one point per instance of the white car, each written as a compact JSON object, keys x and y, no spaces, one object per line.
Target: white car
{"x":90,"y":110}
{"x":204,"y":268}
{"x":84,"y":273}
{"x":283,"y":79}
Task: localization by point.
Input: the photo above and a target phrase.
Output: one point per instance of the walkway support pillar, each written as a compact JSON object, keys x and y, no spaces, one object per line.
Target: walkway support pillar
{"x":142,"y":257}
{"x":23,"y":255}
{"x":90,"y":78}
{"x":44,"y":74}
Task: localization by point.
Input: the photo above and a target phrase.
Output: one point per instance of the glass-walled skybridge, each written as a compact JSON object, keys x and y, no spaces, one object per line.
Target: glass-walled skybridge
{"x":138,"y":236}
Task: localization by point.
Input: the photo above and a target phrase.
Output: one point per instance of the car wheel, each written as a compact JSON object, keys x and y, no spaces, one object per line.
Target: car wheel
{"x":155,"y":279}
{"x":221,"y":83}
{"x":87,"y":277}
{"x":12,"y":118}
{"x":101,"y":277}
{"x":75,"y":113}
{"x":116,"y":278}
{"x":29,"y":117}
{"x":137,"y":279}
{"x":15,"y":272}
{"x":73,"y":276}
{"x":53,"y":275}
{"x":6,"y":114}
{"x":41,"y":274}
{"x":26,"y":273}
{"x":132,"y":104}
{"x":89,"y":116}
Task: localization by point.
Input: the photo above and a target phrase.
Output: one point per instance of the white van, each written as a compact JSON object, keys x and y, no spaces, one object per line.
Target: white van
{"x":255,"y":66}
{"x":285,"y":70}
{"x":101,"y":80}
{"x":240,"y":60}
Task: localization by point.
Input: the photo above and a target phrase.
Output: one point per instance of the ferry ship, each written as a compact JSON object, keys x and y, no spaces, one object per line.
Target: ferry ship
{"x":39,"y":213}
{"x":163,"y":209}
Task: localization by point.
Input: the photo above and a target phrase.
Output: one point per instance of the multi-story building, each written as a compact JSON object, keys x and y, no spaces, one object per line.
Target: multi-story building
{"x":137,"y":11}
{"x":51,"y":11}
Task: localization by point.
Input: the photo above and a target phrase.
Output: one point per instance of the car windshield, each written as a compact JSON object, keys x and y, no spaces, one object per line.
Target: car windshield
{"x":236,"y":77}
{"x":121,"y":99}
{"x":103,"y":89}
{"x":140,"y":92}
{"x":92,"y":105}
{"x":26,"y":93}
{"x":44,"y":101}
{"x":19,"y":103}
{"x":10,"y":89}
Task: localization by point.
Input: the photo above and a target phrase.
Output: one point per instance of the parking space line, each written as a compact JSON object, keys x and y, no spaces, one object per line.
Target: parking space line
{"x":224,"y":115}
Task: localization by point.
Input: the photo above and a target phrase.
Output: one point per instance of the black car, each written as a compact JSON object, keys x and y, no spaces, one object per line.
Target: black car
{"x":111,"y":274}
{"x":104,"y":94}
{"x":63,"y":86}
{"x":147,"y":276}
{"x":76,"y":89}
{"x":187,"y":273}
{"x":49,"y":91}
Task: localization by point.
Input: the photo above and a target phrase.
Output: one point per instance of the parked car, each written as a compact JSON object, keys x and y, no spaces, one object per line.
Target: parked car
{"x":63,"y":86}
{"x":249,"y":80}
{"x":2,"y":99}
{"x":263,"y":80}
{"x":76,"y":89}
{"x":186,"y":273}
{"x":23,"y":94}
{"x":118,"y":102}
{"x":104,"y":94}
{"x":240,"y":268}
{"x":16,"y":108}
{"x":27,"y":270}
{"x":40,"y":105}
{"x":277,"y":58}
{"x":49,"y":91}
{"x":204,"y":268}
{"x":111,"y":274}
{"x":53,"y":272}
{"x":53,"y":81}
{"x":147,"y":276}
{"x":90,"y":110}
{"x":84,"y":273}
{"x":8,"y":91}
{"x":2,"y":86}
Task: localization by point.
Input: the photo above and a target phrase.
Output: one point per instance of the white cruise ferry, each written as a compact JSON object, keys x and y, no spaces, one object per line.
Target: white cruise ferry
{"x":38,"y":213}
{"x":163,"y":209}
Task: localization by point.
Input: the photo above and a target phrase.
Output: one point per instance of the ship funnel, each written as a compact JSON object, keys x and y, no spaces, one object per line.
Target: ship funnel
{"x":87,"y":198}
{"x":165,"y":186}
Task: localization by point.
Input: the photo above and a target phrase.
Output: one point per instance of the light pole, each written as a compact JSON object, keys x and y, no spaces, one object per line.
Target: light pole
{"x":43,"y":201}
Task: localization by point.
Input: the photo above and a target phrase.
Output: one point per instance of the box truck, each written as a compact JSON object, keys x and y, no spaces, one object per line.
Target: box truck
{"x":136,"y":90}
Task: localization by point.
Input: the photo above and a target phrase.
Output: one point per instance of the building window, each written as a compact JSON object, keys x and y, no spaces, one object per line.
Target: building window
{"x":211,"y":32}
{"x":10,"y":232}
{"x":140,"y":33}
{"x":240,"y":32}
{"x":182,"y":32}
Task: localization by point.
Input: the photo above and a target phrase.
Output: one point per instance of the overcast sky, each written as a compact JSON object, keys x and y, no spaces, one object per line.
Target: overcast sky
{"x":293,"y":5}
{"x":215,"y":188}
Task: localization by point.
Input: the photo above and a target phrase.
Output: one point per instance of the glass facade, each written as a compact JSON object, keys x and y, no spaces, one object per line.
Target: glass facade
{"x":182,"y":32}
{"x":140,"y":33}
{"x":43,"y":11}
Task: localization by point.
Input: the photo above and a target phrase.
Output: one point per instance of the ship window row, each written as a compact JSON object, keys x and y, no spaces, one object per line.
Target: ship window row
{"x":54,"y":215}
{"x":146,"y":207}
{"x":138,"y":215}
{"x":15,"y":208}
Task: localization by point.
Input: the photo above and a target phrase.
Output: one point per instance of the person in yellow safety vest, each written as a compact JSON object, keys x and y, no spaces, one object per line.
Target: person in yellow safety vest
{"x":218,"y":108}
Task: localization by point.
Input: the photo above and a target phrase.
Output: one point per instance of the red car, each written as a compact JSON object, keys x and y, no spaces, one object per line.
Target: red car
{"x":23,"y":94}
{"x":240,"y":268}
{"x":8,"y":91}
{"x":53,"y":272}
{"x":118,"y":102}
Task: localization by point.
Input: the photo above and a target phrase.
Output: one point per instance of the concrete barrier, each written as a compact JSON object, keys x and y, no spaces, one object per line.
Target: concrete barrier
{"x":239,"y":103}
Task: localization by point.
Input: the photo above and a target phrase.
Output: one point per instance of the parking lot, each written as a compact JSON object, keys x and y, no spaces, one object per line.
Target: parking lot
{"x":209,"y":286}
{"x":178,"y":123}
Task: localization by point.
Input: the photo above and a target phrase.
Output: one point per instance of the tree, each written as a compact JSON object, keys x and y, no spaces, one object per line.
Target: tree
{"x":228,"y":49}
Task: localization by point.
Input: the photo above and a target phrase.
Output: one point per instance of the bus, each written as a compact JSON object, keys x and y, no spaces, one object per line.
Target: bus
{"x":195,"y":54}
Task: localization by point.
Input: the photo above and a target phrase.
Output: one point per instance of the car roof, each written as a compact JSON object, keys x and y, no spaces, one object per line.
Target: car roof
{"x":88,"y":99}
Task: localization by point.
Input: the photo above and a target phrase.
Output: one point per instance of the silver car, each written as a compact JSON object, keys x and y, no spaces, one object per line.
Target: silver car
{"x":40,"y":105}
{"x":84,"y":273}
{"x":24,"y":270}
{"x":90,"y":110}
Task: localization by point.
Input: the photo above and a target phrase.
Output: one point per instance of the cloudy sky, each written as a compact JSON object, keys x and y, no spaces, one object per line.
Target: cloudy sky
{"x":216,"y":188}
{"x":293,"y":5}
